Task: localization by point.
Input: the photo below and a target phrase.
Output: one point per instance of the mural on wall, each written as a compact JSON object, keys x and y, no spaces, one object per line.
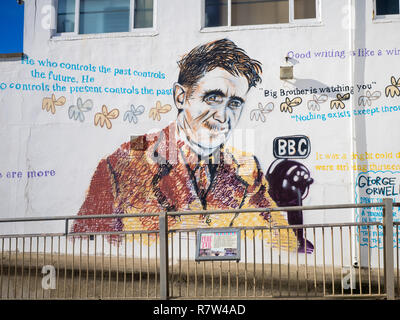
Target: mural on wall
{"x":315,"y":103}
{"x":77,"y":112}
{"x":339,"y":101}
{"x":366,"y":100}
{"x":372,"y":187}
{"x":155,"y":112}
{"x":104,"y":117}
{"x":393,"y":89}
{"x":288,"y":105}
{"x":49,"y":104}
{"x":261,"y":112}
{"x":186,"y":166}
{"x":132,"y":114}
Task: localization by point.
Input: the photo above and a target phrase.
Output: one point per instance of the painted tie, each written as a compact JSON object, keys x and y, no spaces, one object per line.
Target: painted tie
{"x":203,"y":181}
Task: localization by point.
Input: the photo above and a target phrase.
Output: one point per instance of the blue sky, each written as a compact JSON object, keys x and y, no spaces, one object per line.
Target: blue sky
{"x":11,"y":26}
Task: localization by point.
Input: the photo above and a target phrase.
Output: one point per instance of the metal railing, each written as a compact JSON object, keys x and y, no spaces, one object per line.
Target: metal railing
{"x":352,"y":259}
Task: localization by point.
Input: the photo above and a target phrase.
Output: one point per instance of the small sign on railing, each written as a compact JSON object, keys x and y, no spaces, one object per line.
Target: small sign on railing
{"x":218,"y":244}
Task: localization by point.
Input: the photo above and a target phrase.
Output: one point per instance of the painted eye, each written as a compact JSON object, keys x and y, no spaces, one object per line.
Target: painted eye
{"x":213,"y":99}
{"x":234,"y":104}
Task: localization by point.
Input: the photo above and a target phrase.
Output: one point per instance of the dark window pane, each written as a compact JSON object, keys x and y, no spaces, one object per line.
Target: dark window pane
{"x":143,"y":14}
{"x":384,"y":7}
{"x":259,"y":12}
{"x":304,"y":9}
{"x":102,"y":16}
{"x":66,"y":16}
{"x":216,"y":13}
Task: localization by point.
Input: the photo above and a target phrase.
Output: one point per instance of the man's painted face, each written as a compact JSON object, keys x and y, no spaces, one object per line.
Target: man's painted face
{"x":213,"y":109}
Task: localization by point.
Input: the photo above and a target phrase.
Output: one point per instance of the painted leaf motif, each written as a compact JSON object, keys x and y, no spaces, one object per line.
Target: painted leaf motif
{"x":323,"y":98}
{"x":86,"y":106}
{"x":60,"y":101}
{"x":75,"y":113}
{"x":155,"y":112}
{"x":128,"y":116}
{"x":152,"y":113}
{"x":392,"y":91}
{"x":98,"y":119}
{"x":376,"y":95}
{"x":257,"y":115}
{"x":48,"y":105}
{"x":363,"y":101}
{"x":113,"y":114}
{"x":269,"y":107}
{"x":313,"y":105}
{"x":104,"y":110}
{"x":165,"y":108}
{"x":81,"y":117}
{"x":296,"y":101}
{"x":346,"y":96}
{"x":139,"y":110}
{"x":108,"y":123}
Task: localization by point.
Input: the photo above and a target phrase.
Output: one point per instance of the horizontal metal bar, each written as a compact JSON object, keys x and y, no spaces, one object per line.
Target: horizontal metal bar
{"x":300,"y":226}
{"x":294,"y":208}
{"x":201,"y":212}
{"x":297,"y":226}
{"x":32,"y":235}
{"x":113,"y":233}
{"x":71,"y":234}
{"x":97,"y":216}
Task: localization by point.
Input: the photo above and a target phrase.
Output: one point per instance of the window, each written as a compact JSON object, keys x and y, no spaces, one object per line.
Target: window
{"x":11,"y":29}
{"x":387,"y":7}
{"x":103,"y":16}
{"x":257,"y":12}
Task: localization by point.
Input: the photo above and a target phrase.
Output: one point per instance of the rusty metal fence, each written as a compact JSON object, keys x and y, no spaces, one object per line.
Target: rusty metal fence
{"x":348,"y":260}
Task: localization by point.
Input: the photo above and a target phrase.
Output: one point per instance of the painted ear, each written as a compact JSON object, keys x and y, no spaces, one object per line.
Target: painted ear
{"x":179,"y":95}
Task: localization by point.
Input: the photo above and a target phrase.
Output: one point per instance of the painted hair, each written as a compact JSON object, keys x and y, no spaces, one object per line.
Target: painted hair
{"x":223,"y":54}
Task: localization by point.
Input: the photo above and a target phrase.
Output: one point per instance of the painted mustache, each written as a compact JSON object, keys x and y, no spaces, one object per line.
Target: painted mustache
{"x":215,"y":126}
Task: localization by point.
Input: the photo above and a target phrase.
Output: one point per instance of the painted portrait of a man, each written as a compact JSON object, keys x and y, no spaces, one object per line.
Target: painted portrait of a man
{"x":187,"y":166}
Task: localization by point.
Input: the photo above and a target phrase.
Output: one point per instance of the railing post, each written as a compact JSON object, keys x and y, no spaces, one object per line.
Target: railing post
{"x":163,"y":225}
{"x":388,"y":247}
{"x":66,"y":227}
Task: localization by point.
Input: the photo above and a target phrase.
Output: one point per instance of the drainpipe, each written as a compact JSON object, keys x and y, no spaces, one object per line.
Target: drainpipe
{"x":353,"y":144}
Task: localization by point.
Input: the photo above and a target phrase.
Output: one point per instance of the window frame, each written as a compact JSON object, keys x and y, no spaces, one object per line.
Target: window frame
{"x":385,"y":17}
{"x":292,"y":21}
{"x":131,"y":32}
